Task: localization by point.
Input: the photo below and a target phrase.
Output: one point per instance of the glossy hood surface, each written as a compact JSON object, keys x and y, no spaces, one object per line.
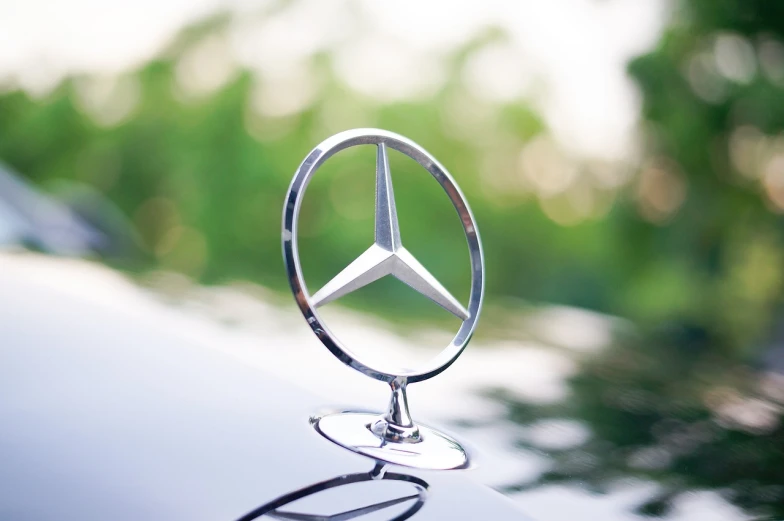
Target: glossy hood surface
{"x":112,"y":409}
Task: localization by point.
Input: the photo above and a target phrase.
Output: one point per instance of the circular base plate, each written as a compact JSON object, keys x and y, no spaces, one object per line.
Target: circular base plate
{"x":351,"y":430}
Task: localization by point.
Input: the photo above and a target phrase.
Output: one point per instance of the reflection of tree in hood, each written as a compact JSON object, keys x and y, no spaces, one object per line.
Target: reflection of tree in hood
{"x":677,"y":412}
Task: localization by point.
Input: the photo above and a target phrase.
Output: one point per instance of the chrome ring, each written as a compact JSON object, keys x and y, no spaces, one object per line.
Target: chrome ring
{"x":291,"y":211}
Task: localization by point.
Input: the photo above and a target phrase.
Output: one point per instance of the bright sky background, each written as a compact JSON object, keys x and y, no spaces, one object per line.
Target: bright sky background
{"x":568,"y":56}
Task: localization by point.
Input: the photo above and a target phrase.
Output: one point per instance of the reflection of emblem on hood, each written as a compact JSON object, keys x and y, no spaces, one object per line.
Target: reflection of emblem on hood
{"x":283,"y":508}
{"x":393,"y":436}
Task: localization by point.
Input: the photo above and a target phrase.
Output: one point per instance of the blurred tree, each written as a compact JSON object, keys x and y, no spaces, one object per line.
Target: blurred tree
{"x":696,"y":403}
{"x":712,"y":94}
{"x":197,"y":152}
{"x":200,"y":167}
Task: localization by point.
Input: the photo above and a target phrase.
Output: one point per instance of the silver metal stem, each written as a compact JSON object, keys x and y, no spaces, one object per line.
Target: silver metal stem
{"x":397,"y":412}
{"x":396,"y":425}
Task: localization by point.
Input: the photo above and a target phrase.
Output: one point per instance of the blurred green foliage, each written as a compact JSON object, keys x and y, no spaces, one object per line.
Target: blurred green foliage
{"x":201,"y":178}
{"x":693,"y":234}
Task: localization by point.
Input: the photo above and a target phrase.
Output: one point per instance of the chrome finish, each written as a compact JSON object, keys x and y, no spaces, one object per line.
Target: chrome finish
{"x":386,"y":246}
{"x":353,"y":430}
{"x":396,"y":425}
{"x":386,"y":256}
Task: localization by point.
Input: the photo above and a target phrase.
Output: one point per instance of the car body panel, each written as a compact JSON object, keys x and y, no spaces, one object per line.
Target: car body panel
{"x":109,"y":413}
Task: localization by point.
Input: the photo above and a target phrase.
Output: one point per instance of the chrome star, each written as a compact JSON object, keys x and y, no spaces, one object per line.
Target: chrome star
{"x":387,"y":256}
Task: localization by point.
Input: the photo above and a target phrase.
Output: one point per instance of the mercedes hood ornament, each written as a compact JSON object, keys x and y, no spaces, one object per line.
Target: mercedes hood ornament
{"x":392,"y":436}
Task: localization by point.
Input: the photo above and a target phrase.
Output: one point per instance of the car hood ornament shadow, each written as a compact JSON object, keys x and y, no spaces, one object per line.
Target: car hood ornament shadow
{"x":392,"y":436}
{"x":403,"y":505}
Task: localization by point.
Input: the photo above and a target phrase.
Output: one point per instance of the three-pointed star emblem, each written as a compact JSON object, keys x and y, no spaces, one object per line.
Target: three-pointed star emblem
{"x":341,"y":516}
{"x":387,"y":256}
